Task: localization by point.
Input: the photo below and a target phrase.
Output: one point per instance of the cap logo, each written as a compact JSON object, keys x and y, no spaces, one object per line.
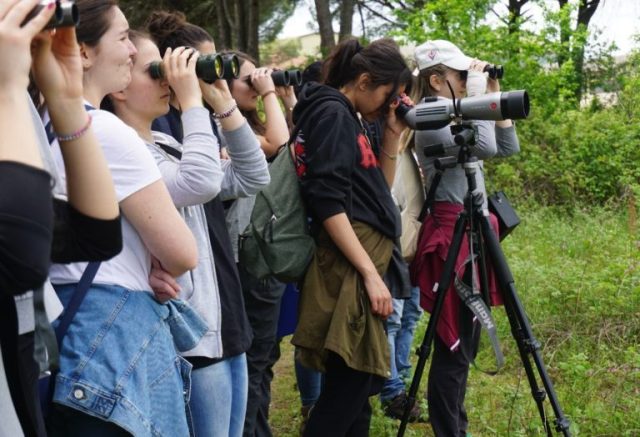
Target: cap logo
{"x":432,"y":54}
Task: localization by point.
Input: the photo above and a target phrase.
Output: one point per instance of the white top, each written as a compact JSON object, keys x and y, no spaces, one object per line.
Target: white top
{"x":132,"y":168}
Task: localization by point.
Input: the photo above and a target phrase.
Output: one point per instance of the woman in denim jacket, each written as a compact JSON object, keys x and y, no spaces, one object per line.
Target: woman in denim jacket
{"x":120,"y":371}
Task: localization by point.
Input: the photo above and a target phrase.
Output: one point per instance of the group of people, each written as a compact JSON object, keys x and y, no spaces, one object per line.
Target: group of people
{"x":131,"y":191}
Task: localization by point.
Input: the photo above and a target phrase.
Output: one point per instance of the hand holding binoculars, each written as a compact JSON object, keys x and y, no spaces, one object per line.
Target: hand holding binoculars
{"x":65,"y":15}
{"x":494,"y":71}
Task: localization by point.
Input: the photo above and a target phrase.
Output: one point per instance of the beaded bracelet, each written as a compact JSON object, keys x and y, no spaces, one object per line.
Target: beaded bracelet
{"x":77,"y":134}
{"x":226,"y":113}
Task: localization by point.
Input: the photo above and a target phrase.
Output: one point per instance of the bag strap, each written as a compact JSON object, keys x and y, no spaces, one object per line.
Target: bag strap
{"x":78,"y":296}
{"x":170,"y":150}
{"x":481,"y":311}
{"x":45,"y":344}
{"x":10,"y":350}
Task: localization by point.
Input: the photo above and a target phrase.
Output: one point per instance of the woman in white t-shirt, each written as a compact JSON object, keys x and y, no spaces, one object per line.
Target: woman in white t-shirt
{"x":120,"y":372}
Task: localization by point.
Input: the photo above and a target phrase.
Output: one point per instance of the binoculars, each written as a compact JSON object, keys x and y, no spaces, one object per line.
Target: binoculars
{"x":65,"y":15}
{"x":495,"y":71}
{"x":287,"y":77}
{"x":209,"y":68}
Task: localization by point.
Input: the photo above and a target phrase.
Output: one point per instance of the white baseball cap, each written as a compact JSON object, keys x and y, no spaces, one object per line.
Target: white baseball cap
{"x":439,"y":51}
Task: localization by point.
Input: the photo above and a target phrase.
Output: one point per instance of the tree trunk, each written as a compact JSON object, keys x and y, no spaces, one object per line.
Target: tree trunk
{"x":222,"y":30}
{"x":323,"y":14}
{"x":565,"y":36}
{"x":253,"y":42}
{"x":585,"y":12}
{"x":346,"y":19}
{"x":515,"y":13}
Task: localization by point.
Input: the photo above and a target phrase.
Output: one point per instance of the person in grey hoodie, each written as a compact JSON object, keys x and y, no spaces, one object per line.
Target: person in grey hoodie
{"x":194,"y":174}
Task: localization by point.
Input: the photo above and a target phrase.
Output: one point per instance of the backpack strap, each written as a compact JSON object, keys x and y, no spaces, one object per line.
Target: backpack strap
{"x":77,"y":298}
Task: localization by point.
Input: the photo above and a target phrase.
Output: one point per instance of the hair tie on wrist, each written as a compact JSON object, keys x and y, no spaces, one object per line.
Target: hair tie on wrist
{"x":267,"y":93}
{"x":388,"y":155}
{"x":226,"y":113}
{"x":77,"y":134}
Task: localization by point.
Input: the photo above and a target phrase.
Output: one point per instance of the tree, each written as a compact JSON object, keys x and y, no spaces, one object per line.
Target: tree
{"x":323,"y":14}
{"x":237,"y":24}
{"x":346,"y":19}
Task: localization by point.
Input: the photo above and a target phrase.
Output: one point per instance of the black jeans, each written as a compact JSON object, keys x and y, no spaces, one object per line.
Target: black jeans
{"x":343,"y":408}
{"x":447,"y":383}
{"x":262,"y":303}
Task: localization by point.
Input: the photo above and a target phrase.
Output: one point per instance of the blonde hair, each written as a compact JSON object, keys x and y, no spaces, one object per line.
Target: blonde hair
{"x":420,"y":88}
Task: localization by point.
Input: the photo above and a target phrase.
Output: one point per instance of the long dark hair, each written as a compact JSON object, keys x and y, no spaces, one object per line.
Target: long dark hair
{"x":252,"y":116}
{"x":381,"y":59}
{"x":95,"y":20}
{"x":171,"y":29}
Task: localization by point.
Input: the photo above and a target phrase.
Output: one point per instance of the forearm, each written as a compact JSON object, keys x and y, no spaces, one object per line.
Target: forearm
{"x":389,"y":155}
{"x":18,"y":142}
{"x":246,"y":171}
{"x":277,"y":132}
{"x":339,"y":229}
{"x":89,"y":184}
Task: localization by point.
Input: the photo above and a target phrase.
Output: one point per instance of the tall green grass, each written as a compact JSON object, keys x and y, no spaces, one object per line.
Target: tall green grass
{"x":578,"y":277}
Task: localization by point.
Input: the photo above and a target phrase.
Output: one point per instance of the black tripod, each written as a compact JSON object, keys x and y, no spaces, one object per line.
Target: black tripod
{"x":475,"y":221}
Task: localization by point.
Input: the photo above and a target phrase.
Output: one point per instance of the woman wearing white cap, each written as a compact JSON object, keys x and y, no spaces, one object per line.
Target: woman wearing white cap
{"x":443,"y":69}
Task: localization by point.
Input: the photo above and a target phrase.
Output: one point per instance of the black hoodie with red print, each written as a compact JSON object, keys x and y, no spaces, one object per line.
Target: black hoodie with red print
{"x":338,"y":169}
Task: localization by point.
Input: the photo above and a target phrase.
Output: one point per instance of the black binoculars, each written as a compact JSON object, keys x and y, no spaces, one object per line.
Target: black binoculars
{"x":286,"y":77}
{"x":209,"y":68}
{"x":495,"y":71}
{"x":66,"y":14}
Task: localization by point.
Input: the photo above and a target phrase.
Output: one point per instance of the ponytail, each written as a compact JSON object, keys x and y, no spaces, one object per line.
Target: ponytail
{"x":381,"y":59}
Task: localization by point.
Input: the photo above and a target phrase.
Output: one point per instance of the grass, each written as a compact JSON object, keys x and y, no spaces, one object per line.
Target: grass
{"x":578,"y":277}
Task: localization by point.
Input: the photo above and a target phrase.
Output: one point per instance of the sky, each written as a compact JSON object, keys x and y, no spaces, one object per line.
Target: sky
{"x":619,"y":20}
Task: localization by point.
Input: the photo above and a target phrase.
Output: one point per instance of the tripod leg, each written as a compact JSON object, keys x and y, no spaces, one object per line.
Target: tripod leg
{"x":528,"y":346}
{"x":427,"y":342}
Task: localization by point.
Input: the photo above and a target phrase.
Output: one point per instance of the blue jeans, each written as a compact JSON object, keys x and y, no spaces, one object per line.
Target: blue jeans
{"x":309,"y":384}
{"x":218,"y":401}
{"x":401,"y":326}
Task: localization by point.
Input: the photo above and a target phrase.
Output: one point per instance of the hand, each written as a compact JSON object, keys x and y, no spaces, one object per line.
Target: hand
{"x":395,"y":125}
{"x":15,"y":40}
{"x":217,"y":94}
{"x":379,"y":295}
{"x":261,"y":80}
{"x":223,"y":153}
{"x":57,"y":67}
{"x":492,"y":84}
{"x":288,"y":96}
{"x":180,"y":71}
{"x":164,"y":285}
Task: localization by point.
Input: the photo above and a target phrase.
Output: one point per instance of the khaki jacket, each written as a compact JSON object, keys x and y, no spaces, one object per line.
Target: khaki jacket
{"x":334,"y":309}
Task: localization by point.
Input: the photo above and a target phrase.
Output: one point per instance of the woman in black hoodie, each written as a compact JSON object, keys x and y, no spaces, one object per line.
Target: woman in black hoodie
{"x":345,"y":182}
